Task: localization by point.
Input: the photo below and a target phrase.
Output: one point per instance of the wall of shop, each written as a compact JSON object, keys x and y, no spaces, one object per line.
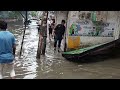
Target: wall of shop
{"x":85,"y":40}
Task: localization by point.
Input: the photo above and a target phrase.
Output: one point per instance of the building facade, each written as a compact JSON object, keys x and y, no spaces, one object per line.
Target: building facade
{"x":86,"y":28}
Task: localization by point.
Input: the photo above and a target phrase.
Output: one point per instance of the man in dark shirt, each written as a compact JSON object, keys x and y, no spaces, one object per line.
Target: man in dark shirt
{"x":58,"y":34}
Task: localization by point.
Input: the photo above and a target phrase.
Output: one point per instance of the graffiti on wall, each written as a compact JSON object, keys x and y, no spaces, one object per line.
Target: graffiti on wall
{"x":86,"y":15}
{"x":105,"y":29}
{"x":89,"y":28}
{"x":80,"y":28}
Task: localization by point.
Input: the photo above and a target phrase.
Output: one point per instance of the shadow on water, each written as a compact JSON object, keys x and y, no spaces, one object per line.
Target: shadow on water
{"x":98,"y":55}
{"x":97,"y":58}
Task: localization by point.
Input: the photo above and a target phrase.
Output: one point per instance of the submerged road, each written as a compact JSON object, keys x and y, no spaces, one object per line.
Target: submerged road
{"x":53,"y":65}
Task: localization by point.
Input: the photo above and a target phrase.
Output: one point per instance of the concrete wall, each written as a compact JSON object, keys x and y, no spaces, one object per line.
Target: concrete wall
{"x":113,"y":16}
{"x":60,"y":15}
{"x":102,"y":15}
{"x":86,"y":40}
{"x":109,"y":16}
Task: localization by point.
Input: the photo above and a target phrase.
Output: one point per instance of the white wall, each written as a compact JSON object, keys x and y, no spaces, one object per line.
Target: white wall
{"x":113,"y":16}
{"x":92,"y":40}
{"x":110,"y":16}
{"x":87,"y":40}
{"x":60,"y":15}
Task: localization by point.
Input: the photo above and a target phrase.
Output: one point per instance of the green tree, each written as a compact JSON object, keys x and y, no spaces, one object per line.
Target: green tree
{"x":33,"y":13}
{"x":14,"y":14}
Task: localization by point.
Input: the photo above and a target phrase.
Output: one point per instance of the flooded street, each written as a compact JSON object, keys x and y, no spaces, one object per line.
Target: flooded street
{"x":53,"y":65}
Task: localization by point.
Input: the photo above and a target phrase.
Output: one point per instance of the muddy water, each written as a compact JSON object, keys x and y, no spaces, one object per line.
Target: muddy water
{"x":53,"y":65}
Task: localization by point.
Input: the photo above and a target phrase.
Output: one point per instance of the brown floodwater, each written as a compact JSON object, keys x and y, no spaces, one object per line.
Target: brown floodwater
{"x":53,"y":65}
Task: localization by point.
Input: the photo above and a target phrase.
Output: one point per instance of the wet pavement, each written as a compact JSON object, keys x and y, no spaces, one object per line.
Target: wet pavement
{"x":53,"y":65}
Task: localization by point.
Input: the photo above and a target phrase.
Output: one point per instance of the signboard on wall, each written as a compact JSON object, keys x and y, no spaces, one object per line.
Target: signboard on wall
{"x":80,"y":28}
{"x":89,"y":28}
{"x":109,"y":30}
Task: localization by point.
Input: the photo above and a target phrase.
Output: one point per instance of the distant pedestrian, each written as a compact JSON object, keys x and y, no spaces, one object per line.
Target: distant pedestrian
{"x":39,"y":25}
{"x":59,"y":34}
{"x":48,"y":22}
{"x":53,"y":26}
{"x":7,"y":50}
{"x":50,"y":32}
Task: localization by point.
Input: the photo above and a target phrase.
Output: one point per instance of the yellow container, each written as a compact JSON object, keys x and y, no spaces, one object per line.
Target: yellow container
{"x":73,"y":42}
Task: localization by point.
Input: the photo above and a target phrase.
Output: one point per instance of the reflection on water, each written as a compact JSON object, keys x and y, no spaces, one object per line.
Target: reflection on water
{"x":28,"y":67}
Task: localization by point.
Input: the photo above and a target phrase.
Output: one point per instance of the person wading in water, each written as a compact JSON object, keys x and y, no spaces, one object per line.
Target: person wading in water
{"x":59,"y":34}
{"x":7,"y":50}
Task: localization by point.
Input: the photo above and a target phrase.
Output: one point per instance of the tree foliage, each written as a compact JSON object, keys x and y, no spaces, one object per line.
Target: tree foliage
{"x":33,"y":13}
{"x":10,"y":14}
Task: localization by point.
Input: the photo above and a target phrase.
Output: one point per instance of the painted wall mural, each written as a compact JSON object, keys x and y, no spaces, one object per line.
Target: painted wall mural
{"x":89,"y":28}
